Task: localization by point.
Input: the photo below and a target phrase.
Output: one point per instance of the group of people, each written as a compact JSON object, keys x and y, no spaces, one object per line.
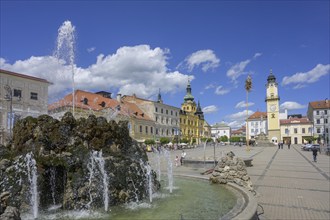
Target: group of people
{"x":280,"y":145}
{"x":183,"y":155}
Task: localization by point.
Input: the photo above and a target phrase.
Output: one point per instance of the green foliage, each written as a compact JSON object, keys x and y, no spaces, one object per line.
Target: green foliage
{"x":164,"y":140}
{"x":149,"y":141}
{"x":237,"y":139}
{"x":184,"y":140}
{"x":223,"y":138}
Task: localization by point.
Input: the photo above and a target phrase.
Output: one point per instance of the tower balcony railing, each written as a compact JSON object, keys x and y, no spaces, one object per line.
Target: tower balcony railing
{"x":274,"y":97}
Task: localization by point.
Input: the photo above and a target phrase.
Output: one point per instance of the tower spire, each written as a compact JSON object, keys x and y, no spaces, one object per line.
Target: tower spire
{"x":159,"y":97}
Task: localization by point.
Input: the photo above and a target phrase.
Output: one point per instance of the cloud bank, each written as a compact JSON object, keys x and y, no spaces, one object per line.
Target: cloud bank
{"x":138,"y":69}
{"x":300,"y":80}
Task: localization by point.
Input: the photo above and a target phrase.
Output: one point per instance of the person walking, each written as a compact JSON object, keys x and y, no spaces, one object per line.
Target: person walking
{"x":314,"y":150}
{"x":183,"y":155}
{"x":289,"y":143}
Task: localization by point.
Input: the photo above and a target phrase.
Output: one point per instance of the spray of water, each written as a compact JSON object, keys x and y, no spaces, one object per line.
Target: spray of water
{"x":169,"y":170}
{"x":96,"y":167}
{"x":32,"y":178}
{"x":65,"y":50}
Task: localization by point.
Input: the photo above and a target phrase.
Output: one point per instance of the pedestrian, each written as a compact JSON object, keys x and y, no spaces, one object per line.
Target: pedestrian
{"x":314,"y":150}
{"x":289,"y":143}
{"x":183,"y":155}
{"x":279,"y":145}
{"x":176,"y":160}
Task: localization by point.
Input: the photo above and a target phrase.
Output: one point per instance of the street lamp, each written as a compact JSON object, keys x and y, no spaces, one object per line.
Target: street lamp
{"x":9,"y":98}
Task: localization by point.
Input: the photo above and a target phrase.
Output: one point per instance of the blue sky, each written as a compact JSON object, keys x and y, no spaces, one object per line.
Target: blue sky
{"x":140,"y":46}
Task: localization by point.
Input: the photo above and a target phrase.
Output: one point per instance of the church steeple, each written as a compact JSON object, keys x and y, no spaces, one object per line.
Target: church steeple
{"x":199,"y":111}
{"x":188,"y":97}
{"x":271,"y":78}
{"x":159,"y":97}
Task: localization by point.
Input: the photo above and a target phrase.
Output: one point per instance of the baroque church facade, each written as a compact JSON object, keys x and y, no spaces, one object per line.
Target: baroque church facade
{"x":191,"y":118}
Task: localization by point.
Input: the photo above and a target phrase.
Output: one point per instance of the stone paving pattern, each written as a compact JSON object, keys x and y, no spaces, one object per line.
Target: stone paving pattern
{"x":288,"y":183}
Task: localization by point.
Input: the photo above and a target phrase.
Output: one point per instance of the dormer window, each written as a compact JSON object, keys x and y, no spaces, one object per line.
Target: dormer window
{"x":85,"y":101}
{"x":102,"y":104}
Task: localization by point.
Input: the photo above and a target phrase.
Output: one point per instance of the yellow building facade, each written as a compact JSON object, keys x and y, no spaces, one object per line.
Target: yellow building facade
{"x":272,"y":102}
{"x":191,"y":119}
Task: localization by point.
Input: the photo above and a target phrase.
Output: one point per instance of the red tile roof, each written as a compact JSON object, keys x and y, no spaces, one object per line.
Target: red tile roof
{"x":320,"y":104}
{"x":258,"y":115}
{"x":295,"y":121}
{"x":24,"y":76}
{"x":97,"y":102}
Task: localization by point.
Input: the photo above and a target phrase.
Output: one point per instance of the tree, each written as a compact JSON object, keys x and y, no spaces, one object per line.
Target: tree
{"x":224,"y":138}
{"x":149,"y":141}
{"x":164,"y":140}
{"x":248,"y":87}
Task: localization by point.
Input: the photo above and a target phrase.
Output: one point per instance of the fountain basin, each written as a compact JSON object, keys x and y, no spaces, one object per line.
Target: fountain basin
{"x":192,"y":198}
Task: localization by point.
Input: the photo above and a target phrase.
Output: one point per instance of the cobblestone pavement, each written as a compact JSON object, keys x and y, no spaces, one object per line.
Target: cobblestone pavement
{"x":288,"y":183}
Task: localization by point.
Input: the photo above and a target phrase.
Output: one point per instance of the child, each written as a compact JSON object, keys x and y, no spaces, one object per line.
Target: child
{"x":176,"y":160}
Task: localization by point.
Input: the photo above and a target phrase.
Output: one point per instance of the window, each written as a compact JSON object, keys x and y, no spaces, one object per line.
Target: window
{"x":295,"y":130}
{"x":171,"y":112}
{"x":317,"y":121}
{"x":325,"y":112}
{"x":176,"y":113}
{"x":157,"y":131}
{"x":166,"y":111}
{"x":161,"y":110}
{"x":326,"y":121}
{"x":146,"y":129}
{"x":140,"y":128}
{"x":151,"y":130}
{"x":166,"y":120}
{"x":303,"y":130}
{"x":287,"y":131}
{"x":17,"y":93}
{"x":156,"y":109}
{"x":318,"y":130}
{"x":34,"y":96}
{"x":156,"y":118}
{"x":310,"y":130}
{"x":326,"y":130}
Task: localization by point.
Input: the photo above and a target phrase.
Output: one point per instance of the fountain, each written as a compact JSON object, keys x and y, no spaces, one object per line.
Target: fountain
{"x":97,"y":170}
{"x":32,"y":178}
{"x":169,"y":170}
{"x":65,"y":50}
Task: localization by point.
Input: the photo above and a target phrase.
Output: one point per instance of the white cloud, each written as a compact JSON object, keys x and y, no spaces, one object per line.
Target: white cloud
{"x":292,"y":106}
{"x":206,"y":58}
{"x":238,"y":69}
{"x":91,"y":49}
{"x":210,"y":86}
{"x":238,"y":119}
{"x":257,"y":55}
{"x":139,"y":69}
{"x":302,"y":79}
{"x":210,"y":109}
{"x":242,"y":104}
{"x":220,"y":90}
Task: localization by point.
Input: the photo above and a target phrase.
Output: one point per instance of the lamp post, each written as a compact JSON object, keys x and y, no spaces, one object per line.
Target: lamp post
{"x":9,"y":98}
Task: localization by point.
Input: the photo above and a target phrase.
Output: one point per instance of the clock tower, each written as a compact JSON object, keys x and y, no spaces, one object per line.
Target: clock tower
{"x":272,"y":101}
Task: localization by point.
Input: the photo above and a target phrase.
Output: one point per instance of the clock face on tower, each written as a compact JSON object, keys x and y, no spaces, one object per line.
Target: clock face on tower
{"x":272,"y":108}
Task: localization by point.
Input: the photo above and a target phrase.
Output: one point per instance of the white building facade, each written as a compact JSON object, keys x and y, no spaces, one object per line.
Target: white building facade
{"x":319,"y":114}
{"x":21,"y":96}
{"x":220,"y":129}
{"x":257,"y":124}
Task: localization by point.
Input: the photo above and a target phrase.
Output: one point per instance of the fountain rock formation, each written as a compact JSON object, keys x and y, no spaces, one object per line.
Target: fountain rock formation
{"x":63,"y":148}
{"x":231,"y":169}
